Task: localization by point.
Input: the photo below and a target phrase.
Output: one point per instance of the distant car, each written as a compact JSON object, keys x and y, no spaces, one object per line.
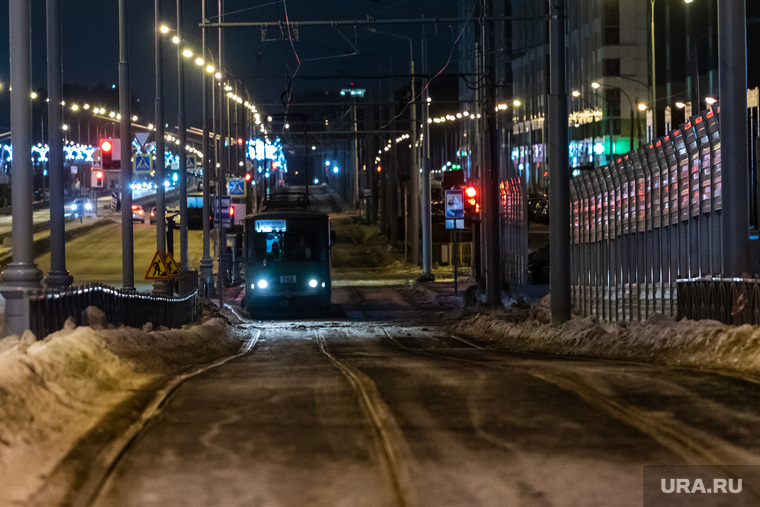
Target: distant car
{"x":138,"y":213}
{"x":172,"y":213}
{"x":78,"y":207}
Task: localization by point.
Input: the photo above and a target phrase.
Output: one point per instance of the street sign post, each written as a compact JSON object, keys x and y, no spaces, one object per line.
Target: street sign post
{"x":454,"y":208}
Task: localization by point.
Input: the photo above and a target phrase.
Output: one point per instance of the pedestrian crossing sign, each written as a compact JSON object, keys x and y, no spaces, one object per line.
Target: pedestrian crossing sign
{"x":157,"y":270}
{"x":143,"y":163}
{"x":172,"y":266}
{"x":190,"y":163}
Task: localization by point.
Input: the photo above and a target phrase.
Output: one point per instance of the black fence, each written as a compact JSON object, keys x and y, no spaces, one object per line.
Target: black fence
{"x":50,"y":309}
{"x":732,"y":301}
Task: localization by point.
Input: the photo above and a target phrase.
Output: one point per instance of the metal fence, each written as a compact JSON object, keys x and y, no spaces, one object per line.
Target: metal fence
{"x":646,"y":220}
{"x":50,"y":309}
{"x":729,"y":300}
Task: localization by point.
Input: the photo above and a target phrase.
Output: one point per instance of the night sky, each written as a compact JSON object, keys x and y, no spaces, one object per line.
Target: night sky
{"x":351,"y":54}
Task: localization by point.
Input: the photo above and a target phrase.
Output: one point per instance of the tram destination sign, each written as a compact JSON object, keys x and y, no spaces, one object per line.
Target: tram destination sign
{"x":270,"y":225}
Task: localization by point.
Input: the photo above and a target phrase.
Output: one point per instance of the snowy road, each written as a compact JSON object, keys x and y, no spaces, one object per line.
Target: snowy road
{"x":378,"y":405}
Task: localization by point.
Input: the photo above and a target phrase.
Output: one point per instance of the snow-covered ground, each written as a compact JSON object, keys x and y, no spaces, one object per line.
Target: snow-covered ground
{"x":53,"y":391}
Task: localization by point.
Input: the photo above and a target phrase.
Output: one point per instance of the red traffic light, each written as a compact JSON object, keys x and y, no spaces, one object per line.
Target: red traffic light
{"x":99,"y":175}
{"x":106,"y":146}
{"x":240,"y":140}
{"x":248,"y":176}
{"x":471,"y":192}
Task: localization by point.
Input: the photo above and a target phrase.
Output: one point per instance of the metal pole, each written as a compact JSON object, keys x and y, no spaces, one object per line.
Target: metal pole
{"x":182,"y":144}
{"x":414,"y":174}
{"x":427,"y":221}
{"x":207,"y":264}
{"x":733,"y":124}
{"x":160,"y":287}
{"x":58,"y":277}
{"x":221,"y":240}
{"x":125,"y":131}
{"x":653,"y":88}
{"x":558,"y":168}
{"x":22,"y":274}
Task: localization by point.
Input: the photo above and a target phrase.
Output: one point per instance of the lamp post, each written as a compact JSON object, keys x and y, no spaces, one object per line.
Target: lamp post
{"x":596,"y":85}
{"x":630,"y":103}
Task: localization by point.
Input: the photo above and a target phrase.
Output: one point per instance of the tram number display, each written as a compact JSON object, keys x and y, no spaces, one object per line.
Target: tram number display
{"x":288,"y":279}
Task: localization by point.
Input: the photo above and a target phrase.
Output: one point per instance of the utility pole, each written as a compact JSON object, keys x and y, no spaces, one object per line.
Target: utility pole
{"x":427,"y":220}
{"x":58,"y":277}
{"x":414,"y":174}
{"x":181,"y":122}
{"x":559,"y":163}
{"x":21,"y":276}
{"x":733,"y":124}
{"x":206,"y":264}
{"x":125,"y":133}
{"x":160,"y":287}
{"x":490,"y":175}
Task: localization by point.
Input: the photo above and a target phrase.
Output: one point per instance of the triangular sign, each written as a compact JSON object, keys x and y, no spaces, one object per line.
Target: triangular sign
{"x":142,"y":138}
{"x":172,"y":266}
{"x":157,"y":269}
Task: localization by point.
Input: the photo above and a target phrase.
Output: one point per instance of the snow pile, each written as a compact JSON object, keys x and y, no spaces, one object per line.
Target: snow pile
{"x":53,"y":391}
{"x":660,"y":339}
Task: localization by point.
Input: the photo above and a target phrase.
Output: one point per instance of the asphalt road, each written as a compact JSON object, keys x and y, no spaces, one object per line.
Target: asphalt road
{"x":376,"y":404}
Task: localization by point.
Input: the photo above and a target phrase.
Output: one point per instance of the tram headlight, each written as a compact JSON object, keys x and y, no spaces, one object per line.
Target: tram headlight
{"x":262,"y":284}
{"x":312,"y":283}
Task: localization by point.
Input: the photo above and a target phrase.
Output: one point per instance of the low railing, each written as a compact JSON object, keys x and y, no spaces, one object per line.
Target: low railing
{"x":732,"y":301}
{"x":50,"y":309}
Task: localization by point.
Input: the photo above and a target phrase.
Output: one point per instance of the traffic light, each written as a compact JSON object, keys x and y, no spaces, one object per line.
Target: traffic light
{"x":471,"y":198}
{"x":106,"y":154}
{"x":97,"y":179}
{"x":248,"y":176}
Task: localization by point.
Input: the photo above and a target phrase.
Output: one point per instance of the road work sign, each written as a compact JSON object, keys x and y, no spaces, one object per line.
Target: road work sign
{"x":158,"y":269}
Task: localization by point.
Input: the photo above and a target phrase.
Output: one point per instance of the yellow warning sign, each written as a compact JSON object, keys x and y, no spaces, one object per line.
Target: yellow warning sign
{"x":172,"y":266}
{"x":157,"y":269}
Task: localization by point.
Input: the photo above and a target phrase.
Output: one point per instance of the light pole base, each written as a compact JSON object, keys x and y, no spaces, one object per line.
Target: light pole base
{"x":206,"y":288}
{"x":19,"y":281}
{"x":58,"y":280}
{"x":162,"y":288}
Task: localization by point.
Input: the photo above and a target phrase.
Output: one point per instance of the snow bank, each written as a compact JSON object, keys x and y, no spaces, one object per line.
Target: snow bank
{"x":660,"y":339}
{"x":53,"y":391}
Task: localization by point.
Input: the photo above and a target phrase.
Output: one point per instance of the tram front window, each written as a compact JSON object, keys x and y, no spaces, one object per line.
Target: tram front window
{"x":288,"y":246}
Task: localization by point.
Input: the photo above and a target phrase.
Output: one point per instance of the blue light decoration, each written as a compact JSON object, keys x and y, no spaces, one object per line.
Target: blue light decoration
{"x":327,"y":163}
{"x":316,"y":181}
{"x":267,"y":150}
{"x":598,"y":148}
{"x":336,"y":170}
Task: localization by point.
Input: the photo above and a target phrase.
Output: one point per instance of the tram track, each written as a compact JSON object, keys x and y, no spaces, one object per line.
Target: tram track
{"x":691,"y":444}
{"x":101,"y":468}
{"x":390,"y":439}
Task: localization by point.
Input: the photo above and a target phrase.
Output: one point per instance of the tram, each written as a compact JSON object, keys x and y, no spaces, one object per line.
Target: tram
{"x":287,"y":256}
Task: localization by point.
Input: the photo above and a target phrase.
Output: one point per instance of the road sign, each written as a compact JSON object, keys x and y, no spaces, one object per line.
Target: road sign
{"x":190,"y":164}
{"x":142,"y":138}
{"x":157,"y":269}
{"x":172,"y":266}
{"x":226,"y":201}
{"x":96,"y":165}
{"x":454,"y":203}
{"x":143,"y":163}
{"x":236,"y":188}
